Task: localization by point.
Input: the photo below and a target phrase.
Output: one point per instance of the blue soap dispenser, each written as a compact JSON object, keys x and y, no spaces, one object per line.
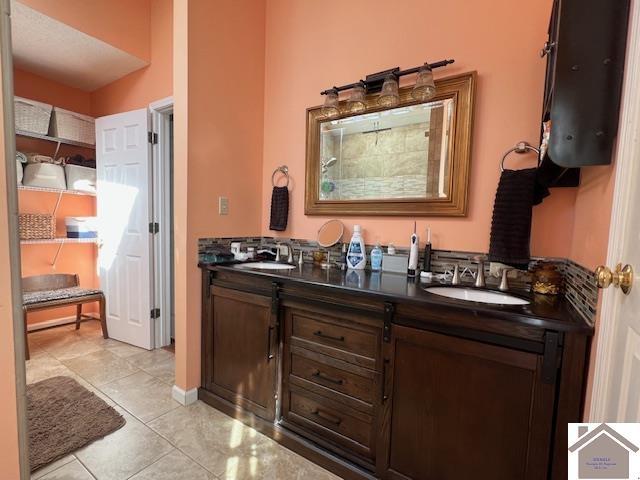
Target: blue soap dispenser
{"x":376,"y":257}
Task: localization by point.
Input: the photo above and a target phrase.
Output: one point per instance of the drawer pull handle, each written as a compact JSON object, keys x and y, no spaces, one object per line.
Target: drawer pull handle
{"x":325,"y":416}
{"x":319,"y":333}
{"x":322,"y":376}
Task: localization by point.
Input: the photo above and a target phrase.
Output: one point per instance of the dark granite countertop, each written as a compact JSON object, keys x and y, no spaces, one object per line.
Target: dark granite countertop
{"x":544,"y":311}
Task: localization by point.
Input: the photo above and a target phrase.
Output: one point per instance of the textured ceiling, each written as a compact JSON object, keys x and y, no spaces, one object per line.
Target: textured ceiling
{"x":54,"y":50}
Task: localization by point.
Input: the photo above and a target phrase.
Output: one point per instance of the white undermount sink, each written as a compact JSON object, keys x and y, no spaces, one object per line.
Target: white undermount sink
{"x":477,"y":295}
{"x":266,"y":266}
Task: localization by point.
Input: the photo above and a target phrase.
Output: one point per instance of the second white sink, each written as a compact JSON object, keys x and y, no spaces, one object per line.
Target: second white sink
{"x":476,"y":295}
{"x":266,"y":266}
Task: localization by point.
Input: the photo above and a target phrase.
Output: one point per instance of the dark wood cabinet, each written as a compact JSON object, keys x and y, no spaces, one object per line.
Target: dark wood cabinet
{"x":585,"y":68}
{"x":331,"y":379}
{"x":373,"y":388}
{"x":457,"y":408}
{"x":242,"y":354}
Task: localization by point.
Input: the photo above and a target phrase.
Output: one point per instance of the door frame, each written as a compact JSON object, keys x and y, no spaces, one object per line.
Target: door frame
{"x":19,"y":338}
{"x":162,"y":255}
{"x":627,"y":153}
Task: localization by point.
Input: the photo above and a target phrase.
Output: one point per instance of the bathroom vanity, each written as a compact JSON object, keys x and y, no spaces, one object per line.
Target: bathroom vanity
{"x":370,"y":376}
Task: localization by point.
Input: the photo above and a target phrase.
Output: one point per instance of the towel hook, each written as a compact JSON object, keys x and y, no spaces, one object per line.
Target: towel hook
{"x":281,"y":169}
{"x":521,"y":147}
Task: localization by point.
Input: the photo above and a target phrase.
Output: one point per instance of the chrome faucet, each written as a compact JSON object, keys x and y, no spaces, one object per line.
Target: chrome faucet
{"x":456,"y":275}
{"x":289,"y":250}
{"x":504,"y":283}
{"x":480,"y":281}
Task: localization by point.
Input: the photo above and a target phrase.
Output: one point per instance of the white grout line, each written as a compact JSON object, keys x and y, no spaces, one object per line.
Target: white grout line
{"x":85,"y":467}
{"x":42,"y":471}
{"x":153,"y":463}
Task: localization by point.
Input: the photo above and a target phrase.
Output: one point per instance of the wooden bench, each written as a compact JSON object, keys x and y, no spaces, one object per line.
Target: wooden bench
{"x":42,"y":292}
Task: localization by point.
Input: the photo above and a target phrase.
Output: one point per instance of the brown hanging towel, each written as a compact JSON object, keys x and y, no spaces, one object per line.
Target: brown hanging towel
{"x":518,"y":191}
{"x":279,"y":209}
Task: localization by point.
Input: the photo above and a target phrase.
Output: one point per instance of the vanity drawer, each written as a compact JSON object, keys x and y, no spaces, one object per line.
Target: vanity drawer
{"x":331,"y":420}
{"x":332,"y":376}
{"x":335,"y":337}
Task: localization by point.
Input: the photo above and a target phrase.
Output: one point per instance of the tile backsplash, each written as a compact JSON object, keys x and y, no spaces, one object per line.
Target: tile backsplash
{"x":580,"y":287}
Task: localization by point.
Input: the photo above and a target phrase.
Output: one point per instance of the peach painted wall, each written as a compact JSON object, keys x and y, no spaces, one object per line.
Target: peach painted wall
{"x":154,"y":82}
{"x":35,"y":87}
{"x":122,"y":23}
{"x":219,"y":95}
{"x":9,"y":454}
{"x":313,"y":45}
{"x":593,"y":216}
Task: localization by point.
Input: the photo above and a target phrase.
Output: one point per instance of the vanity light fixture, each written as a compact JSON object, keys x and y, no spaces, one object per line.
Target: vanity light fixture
{"x":356,"y":102}
{"x":425,"y":87}
{"x":385,"y":82}
{"x":330,"y":108}
{"x":389,"y":96}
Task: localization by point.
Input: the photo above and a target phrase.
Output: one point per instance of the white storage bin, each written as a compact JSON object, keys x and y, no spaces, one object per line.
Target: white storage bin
{"x":81,"y":227}
{"x":81,"y":178}
{"x":19,"y":171}
{"x":37,"y":158}
{"x":45,"y":175}
{"x":32,"y":116}
{"x":73,"y":126}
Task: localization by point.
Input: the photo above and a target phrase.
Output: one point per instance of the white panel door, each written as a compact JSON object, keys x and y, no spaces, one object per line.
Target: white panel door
{"x":616,"y":386}
{"x":124,"y":212}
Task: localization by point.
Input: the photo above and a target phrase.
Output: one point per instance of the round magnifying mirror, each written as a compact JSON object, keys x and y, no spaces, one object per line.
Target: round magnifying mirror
{"x":330,"y":233}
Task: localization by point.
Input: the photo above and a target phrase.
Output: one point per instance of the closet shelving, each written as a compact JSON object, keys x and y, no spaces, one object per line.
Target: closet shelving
{"x":59,"y":241}
{"x":55,"y":190}
{"x":59,"y":141}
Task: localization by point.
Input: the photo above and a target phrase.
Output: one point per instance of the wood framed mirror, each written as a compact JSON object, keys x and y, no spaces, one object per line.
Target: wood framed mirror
{"x":409,"y":160}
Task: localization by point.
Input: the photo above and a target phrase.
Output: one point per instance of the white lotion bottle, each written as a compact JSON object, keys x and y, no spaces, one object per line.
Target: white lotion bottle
{"x":356,"y":254}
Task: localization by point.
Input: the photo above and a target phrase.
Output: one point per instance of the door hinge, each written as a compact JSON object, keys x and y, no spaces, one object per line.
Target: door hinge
{"x":152,"y":137}
{"x":155,"y":313}
{"x":154,"y":227}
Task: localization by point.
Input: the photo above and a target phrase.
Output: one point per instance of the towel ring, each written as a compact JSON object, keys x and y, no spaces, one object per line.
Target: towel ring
{"x":521,"y":147}
{"x":282,"y":169}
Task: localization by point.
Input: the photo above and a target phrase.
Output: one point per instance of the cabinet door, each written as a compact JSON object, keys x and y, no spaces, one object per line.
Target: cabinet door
{"x":456,"y":408}
{"x":242,"y":368}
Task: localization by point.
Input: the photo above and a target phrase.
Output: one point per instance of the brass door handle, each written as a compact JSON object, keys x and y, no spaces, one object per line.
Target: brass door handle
{"x":622,"y":277}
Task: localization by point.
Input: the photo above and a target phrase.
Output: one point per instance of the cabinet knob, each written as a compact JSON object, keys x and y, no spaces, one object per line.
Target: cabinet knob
{"x":621,"y":277}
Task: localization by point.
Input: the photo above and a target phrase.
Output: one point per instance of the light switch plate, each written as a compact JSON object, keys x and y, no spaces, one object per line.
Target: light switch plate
{"x":223,"y":205}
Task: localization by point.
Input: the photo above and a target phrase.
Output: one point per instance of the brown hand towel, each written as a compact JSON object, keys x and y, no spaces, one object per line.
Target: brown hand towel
{"x":518,"y":191}
{"x":279,"y":209}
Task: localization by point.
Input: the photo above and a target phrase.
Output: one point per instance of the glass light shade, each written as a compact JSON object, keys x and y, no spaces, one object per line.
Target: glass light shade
{"x":389,"y":94}
{"x":356,"y":102}
{"x":330,"y":107}
{"x":425,"y":88}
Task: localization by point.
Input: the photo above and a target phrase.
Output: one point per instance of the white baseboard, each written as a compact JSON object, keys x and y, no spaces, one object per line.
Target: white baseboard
{"x":55,"y":322}
{"x":184,"y":397}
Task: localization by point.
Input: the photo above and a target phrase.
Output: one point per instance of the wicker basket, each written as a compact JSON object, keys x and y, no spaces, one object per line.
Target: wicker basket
{"x":73,"y":126}
{"x":37,"y":226}
{"x":32,"y":116}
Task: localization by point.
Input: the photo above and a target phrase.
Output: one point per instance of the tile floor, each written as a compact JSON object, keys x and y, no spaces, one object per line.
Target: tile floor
{"x":161,"y":440}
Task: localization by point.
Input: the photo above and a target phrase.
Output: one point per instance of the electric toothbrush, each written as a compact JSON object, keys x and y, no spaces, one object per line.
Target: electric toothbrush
{"x":413,"y":253}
